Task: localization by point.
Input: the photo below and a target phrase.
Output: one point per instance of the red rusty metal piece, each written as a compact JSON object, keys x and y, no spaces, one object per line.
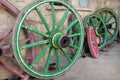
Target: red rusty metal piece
{"x":92,"y":42}
{"x":9,"y":68}
{"x":9,"y":55}
{"x":5,"y":35}
{"x":15,"y":12}
{"x":10,"y":7}
{"x":5,"y":47}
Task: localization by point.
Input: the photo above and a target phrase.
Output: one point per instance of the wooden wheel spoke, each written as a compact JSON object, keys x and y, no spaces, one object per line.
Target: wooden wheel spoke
{"x":58,"y":59}
{"x":40,"y":55}
{"x":73,"y":46}
{"x":53,"y":15}
{"x":43,"y":19}
{"x":70,"y":26}
{"x":63,"y":19}
{"x":34,"y":44}
{"x":109,"y":18}
{"x":49,"y":59}
{"x":66,"y":54}
{"x":34,"y":30}
{"x":106,"y":16}
{"x":74,"y":35}
{"x":110,"y":33}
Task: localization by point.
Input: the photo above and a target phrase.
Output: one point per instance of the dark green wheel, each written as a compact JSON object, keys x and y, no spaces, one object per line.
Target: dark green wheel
{"x":57,"y":45}
{"x":99,"y":27}
{"x":75,"y":29}
{"x":111,"y":21}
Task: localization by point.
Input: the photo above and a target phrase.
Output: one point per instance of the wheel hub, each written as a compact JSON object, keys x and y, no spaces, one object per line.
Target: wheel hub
{"x":64,"y":41}
{"x":59,"y":40}
{"x":109,"y":26}
{"x":99,"y":31}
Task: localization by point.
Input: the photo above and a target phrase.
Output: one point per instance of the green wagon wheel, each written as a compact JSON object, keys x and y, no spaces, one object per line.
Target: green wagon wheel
{"x":111,"y":21}
{"x":99,"y":27}
{"x":54,"y":43}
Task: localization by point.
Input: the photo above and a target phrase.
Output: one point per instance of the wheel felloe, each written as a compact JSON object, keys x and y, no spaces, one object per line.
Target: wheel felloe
{"x":64,"y":42}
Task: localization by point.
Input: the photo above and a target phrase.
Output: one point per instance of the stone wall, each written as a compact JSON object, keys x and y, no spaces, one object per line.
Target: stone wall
{"x":6,"y":19}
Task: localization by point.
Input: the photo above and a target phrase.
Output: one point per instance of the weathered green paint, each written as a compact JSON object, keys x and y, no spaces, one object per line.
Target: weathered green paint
{"x":107,"y":19}
{"x":35,"y":44}
{"x":77,"y":45}
{"x":63,"y":19}
{"x":70,"y":26}
{"x":74,"y":35}
{"x":53,"y":15}
{"x":49,"y":60}
{"x":97,"y":23}
{"x":42,"y":54}
{"x":66,"y":54}
{"x":34,"y":30}
{"x":58,"y":59}
{"x":43,"y":19}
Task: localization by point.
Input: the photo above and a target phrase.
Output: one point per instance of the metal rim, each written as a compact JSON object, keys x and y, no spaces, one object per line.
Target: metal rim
{"x":111,"y":21}
{"x":92,"y":42}
{"x":100,"y":29}
{"x":51,"y":39}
